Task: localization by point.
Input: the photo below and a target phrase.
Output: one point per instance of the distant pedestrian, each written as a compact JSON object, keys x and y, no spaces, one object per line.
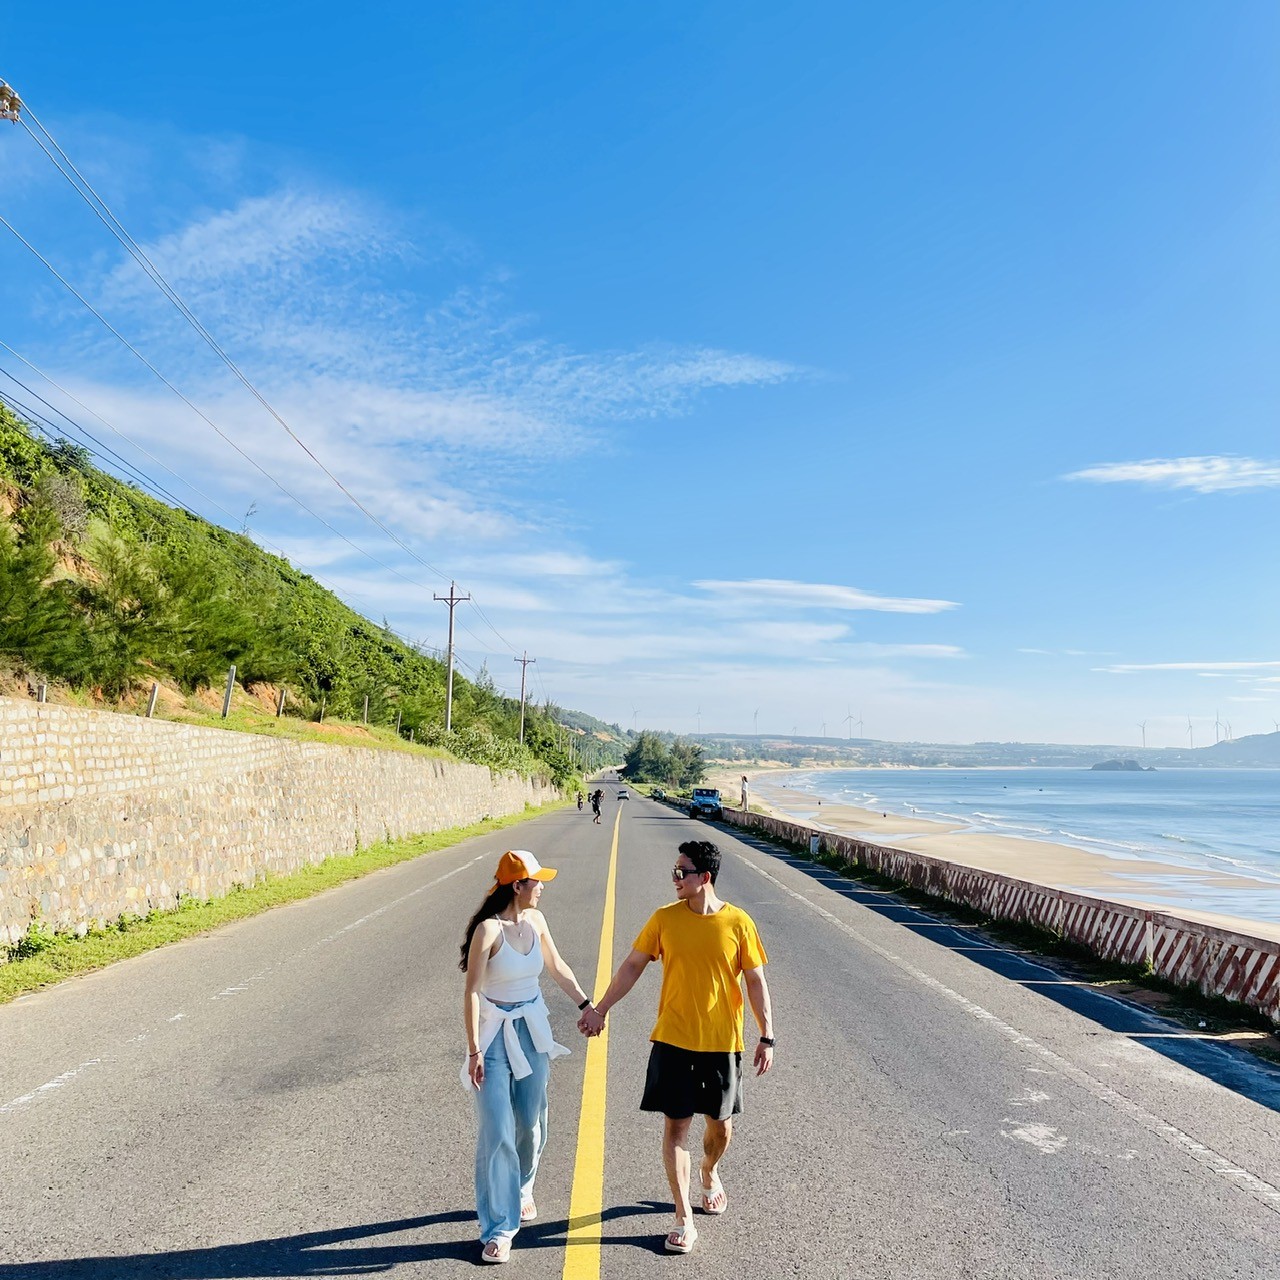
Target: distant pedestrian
{"x":745,"y":792}
{"x":596,"y":797}
{"x":708,"y":949}
{"x":509,"y":1043}
{"x":579,"y":799}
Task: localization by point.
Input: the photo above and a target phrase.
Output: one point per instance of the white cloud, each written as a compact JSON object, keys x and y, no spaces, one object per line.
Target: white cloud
{"x":817,"y":595}
{"x":1212,"y":474}
{"x":1126,"y":667}
{"x":908,"y":651}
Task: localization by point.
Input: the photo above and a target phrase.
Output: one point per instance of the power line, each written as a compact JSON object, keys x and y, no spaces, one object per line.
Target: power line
{"x":213,"y":502}
{"x":52,"y":432}
{"x":85,"y":190}
{"x":198,"y":412}
{"x":100,"y":208}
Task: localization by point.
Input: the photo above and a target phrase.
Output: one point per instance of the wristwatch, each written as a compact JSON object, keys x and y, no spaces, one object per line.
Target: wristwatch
{"x":584,"y":1004}
{"x":767,"y":1041}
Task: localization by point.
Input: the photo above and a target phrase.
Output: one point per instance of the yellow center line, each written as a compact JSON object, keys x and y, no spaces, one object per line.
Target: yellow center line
{"x":582,"y":1252}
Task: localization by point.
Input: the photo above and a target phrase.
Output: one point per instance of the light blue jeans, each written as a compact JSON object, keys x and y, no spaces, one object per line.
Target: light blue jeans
{"x":513,"y":1130}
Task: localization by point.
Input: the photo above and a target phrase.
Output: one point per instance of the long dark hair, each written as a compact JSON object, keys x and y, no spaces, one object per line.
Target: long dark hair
{"x":499,"y":900}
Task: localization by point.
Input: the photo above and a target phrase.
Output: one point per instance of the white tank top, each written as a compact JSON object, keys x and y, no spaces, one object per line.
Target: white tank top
{"x":510,"y":976}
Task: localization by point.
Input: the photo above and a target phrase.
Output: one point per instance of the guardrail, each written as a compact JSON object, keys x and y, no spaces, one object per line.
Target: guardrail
{"x":1215,"y":961}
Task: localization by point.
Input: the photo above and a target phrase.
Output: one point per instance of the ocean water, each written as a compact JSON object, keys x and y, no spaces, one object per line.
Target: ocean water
{"x":1219,"y":820}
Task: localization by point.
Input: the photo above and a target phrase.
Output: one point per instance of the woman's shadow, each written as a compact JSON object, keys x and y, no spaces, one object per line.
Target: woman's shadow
{"x":328,"y":1253}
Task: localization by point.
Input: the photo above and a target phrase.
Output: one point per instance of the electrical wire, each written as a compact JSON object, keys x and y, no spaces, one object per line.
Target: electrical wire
{"x":100,"y":208}
{"x":52,"y":432}
{"x":213,"y":502}
{"x":85,"y":190}
{"x":66,"y":284}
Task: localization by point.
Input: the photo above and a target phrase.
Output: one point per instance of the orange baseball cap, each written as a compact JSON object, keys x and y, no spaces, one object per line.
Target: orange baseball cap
{"x":520,"y":864}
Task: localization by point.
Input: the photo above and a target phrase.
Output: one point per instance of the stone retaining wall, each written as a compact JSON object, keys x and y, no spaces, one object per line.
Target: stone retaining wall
{"x":1215,"y":961}
{"x":104,"y":814}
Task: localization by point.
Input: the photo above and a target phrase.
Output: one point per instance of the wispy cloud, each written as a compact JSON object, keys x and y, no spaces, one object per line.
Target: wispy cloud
{"x":818,"y":595}
{"x":1211,"y":474}
{"x":869,"y":650}
{"x":1067,"y":653}
{"x":1123,"y":668}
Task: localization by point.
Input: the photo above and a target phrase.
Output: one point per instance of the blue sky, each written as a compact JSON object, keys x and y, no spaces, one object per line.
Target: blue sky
{"x":911,"y":361}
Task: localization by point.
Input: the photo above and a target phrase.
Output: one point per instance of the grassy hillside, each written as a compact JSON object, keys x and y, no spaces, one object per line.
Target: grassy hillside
{"x":104,"y":589}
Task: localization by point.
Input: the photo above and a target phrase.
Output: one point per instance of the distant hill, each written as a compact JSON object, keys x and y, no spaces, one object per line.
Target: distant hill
{"x":1256,"y":751}
{"x":1259,"y":751}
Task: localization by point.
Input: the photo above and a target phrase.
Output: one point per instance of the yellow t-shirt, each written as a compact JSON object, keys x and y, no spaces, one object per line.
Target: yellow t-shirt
{"x":703,"y":957}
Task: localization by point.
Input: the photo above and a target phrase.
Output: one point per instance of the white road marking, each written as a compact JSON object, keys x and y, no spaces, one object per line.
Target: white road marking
{"x":58,"y":1082}
{"x":1045,"y":1138}
{"x":1028,"y":1098}
{"x":1206,"y":1156}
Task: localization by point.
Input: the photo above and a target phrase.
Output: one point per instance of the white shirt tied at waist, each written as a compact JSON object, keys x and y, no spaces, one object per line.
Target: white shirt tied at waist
{"x":495,"y":1019}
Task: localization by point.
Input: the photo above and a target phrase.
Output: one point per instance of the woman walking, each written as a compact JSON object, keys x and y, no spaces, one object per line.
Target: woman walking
{"x":509,"y":1043}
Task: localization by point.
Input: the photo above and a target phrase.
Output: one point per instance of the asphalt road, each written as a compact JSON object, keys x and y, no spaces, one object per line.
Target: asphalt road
{"x":281,"y":1098}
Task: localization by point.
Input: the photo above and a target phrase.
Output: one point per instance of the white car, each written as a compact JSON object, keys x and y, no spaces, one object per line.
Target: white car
{"x":622,"y":793}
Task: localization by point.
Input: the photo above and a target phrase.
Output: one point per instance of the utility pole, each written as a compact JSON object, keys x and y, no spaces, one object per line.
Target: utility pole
{"x":524,"y":668}
{"x":453,"y":599}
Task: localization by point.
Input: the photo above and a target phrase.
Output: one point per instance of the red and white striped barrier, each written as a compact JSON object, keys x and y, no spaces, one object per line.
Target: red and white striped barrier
{"x":1215,"y":961}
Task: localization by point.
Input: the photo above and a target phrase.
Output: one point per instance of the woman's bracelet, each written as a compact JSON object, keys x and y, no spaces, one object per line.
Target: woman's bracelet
{"x":476,"y":1054}
{"x":584,"y":1004}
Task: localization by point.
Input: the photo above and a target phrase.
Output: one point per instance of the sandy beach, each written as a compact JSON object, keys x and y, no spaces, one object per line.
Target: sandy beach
{"x":1138,"y":881}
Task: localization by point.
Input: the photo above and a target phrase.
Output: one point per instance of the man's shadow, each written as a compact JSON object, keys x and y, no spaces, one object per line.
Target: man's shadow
{"x":331,"y":1253}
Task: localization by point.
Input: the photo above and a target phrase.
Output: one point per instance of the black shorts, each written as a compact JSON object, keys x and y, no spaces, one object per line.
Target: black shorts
{"x":681,"y":1083}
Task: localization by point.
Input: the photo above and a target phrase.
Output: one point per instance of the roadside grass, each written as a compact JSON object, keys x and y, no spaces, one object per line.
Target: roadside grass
{"x":331,"y":732}
{"x":43,"y":957}
{"x":1212,"y":1017}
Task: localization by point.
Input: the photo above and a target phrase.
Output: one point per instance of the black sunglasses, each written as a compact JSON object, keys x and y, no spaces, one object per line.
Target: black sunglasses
{"x":679,"y":873}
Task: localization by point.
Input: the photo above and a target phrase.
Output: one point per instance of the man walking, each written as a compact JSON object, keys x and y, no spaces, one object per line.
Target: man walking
{"x":595,"y":806}
{"x":708,"y":949}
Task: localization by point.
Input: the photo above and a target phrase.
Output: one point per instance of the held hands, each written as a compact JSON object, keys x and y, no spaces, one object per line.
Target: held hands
{"x":592,"y":1021}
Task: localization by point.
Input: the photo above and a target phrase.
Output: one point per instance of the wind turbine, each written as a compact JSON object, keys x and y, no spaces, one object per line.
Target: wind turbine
{"x":1217,"y":724}
{"x":1277,"y":725}
{"x":860,"y":733}
{"x":1191,"y":734}
{"x":635,"y":715}
{"x":849,"y":720}
{"x":698,"y":713}
{"x":1143,"y":727}
{"x":755,"y":719}
{"x":824,"y":728}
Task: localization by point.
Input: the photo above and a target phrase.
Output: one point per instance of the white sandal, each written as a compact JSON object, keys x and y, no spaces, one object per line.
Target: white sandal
{"x":501,"y":1251}
{"x":716,"y":1189}
{"x":681,"y":1240}
{"x":528,"y":1211}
